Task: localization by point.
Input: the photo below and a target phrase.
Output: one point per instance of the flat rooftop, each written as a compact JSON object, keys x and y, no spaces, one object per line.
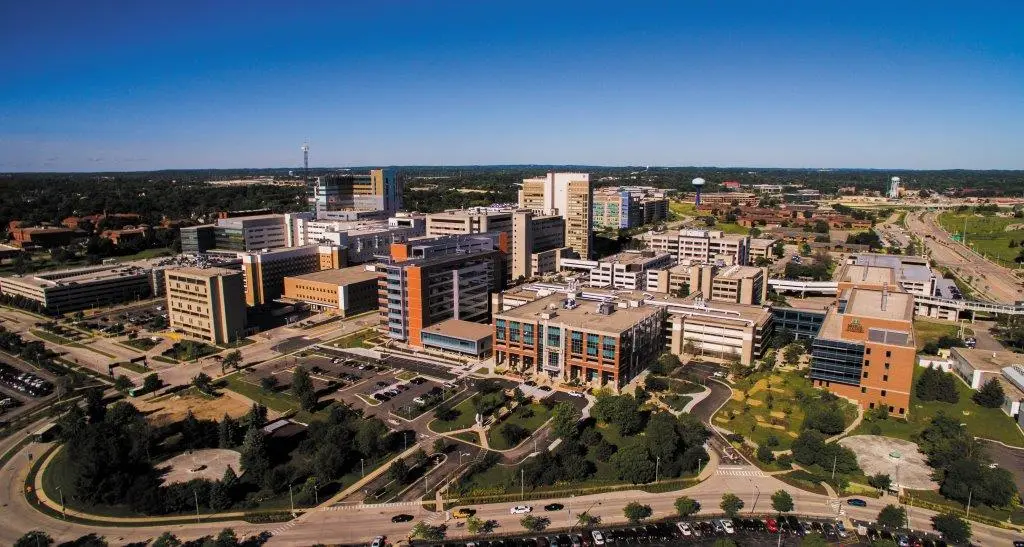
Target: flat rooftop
{"x":762,"y":243}
{"x":584,"y":316}
{"x":898,"y":306}
{"x":872,"y":275}
{"x":77,"y":276}
{"x":636,"y":257}
{"x":202,"y":272}
{"x":342,"y":276}
{"x":988,"y":360}
{"x":465,"y":330}
{"x":738,"y":272}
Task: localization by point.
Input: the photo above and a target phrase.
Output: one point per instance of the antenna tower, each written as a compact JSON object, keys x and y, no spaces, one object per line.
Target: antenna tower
{"x":305,"y":162}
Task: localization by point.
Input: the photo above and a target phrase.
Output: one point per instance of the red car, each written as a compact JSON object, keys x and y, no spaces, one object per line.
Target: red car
{"x":773,"y":526}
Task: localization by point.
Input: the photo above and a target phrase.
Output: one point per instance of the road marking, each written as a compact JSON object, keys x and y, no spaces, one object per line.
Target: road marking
{"x":739,"y":472}
{"x":372,"y":505}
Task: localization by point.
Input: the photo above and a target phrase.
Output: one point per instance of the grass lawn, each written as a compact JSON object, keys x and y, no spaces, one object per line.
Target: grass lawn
{"x":679,"y":209}
{"x":989,"y":423}
{"x":466,"y":418}
{"x":676,"y":402}
{"x":279,"y":401}
{"x":53,"y":338}
{"x":188,"y":350}
{"x":59,"y":473}
{"x":930,"y":330}
{"x":802,"y":480}
{"x":481,"y":370}
{"x":987,"y":234}
{"x":354,"y":340}
{"x":530,"y":416}
{"x":163,"y":359}
{"x":368,"y":400}
{"x":747,"y":412}
{"x":142,"y":344}
{"x":94,"y":350}
{"x":406,"y":375}
{"x":930,"y":499}
{"x":469,"y":436}
{"x":730,"y":228}
{"x":134,"y":367}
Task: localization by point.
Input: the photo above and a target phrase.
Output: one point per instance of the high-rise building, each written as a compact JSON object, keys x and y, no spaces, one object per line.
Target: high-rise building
{"x":206,"y":303}
{"x":701,"y":245}
{"x":568,"y":195}
{"x":428,"y":281}
{"x":537,"y":243}
{"x":865,"y":350}
{"x":378,"y":190}
{"x":477,"y":220}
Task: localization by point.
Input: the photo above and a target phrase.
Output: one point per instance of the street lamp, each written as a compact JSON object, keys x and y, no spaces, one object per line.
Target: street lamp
{"x":757,"y":494}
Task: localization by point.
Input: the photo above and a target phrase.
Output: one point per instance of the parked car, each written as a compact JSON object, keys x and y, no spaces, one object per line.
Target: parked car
{"x":463,"y":512}
{"x":684,"y":528}
{"x":598,"y":537}
{"x":773,"y":526}
{"x":378,"y":542}
{"x":727,"y":526}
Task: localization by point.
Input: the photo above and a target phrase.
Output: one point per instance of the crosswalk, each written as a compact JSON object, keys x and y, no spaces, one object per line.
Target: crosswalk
{"x":837,"y":506}
{"x":739,"y":472}
{"x":371,"y":505}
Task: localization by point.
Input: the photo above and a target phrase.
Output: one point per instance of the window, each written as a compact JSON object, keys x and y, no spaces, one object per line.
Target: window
{"x":528,"y":334}
{"x":867,"y":351}
{"x":887,"y":366}
{"x":872,"y":405}
{"x":865,"y":375}
{"x":885,"y":377}
{"x":499,"y":329}
{"x":888,"y":354}
{"x":554,"y":336}
{"x":592,"y":345}
{"x":553,"y":358}
{"x":867,"y":363}
{"x":902,"y":410}
{"x":513,"y":331}
{"x":577,"y":342}
{"x":883,"y":394}
{"x":863,"y":390}
{"x":608,"y":347}
{"x":890,"y":409}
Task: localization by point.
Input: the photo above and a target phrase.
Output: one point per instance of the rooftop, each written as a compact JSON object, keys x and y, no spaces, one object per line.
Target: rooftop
{"x":77,"y":276}
{"x":868,"y":275}
{"x":584,"y":316}
{"x":988,"y":360}
{"x":634,"y":257}
{"x":762,"y":243}
{"x":341,"y":276}
{"x":894,"y":306}
{"x":465,"y":330}
{"x":738,"y":272}
{"x":202,"y":272}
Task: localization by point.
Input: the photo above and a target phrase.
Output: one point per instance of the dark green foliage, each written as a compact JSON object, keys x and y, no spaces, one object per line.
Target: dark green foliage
{"x":764,"y":454}
{"x":810,"y":448}
{"x":731,"y":504}
{"x":892,"y":516}
{"x":880,"y":481}
{"x":513,"y":433}
{"x":935,"y":385}
{"x":635,"y":512}
{"x":302,"y":388}
{"x":564,"y":421}
{"x":990,"y":395}
{"x":953,"y":528}
{"x":35,"y":538}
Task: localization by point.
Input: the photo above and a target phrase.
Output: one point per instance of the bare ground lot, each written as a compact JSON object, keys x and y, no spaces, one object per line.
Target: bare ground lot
{"x":873,"y":452}
{"x":210,"y":464}
{"x":173,"y":408}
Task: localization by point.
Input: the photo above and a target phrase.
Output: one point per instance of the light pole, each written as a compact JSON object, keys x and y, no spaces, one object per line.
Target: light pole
{"x":970,"y":493}
{"x":362,"y":467}
{"x":522,"y":484}
{"x":291,"y":498}
{"x":196,"y":496}
{"x":657,"y":468}
{"x":64,"y":509}
{"x":757,"y":494}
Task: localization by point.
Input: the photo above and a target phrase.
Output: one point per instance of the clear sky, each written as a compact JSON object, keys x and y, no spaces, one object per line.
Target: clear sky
{"x":136,"y":85}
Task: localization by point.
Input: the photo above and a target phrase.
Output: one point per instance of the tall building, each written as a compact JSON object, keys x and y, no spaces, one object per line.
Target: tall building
{"x":568,"y":195}
{"x":628,"y":207}
{"x":378,"y":190}
{"x":265,"y":271}
{"x":477,"y":220}
{"x":360,"y":241}
{"x":538,"y":242}
{"x":739,"y":284}
{"x":428,"y":281}
{"x":206,"y":303}
{"x":701,"y":245}
{"x":865,"y":350}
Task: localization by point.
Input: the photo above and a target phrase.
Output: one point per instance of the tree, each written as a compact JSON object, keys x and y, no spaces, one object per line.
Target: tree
{"x":686,"y":506}
{"x":440,"y":447}
{"x":990,"y":395}
{"x":587,"y":520}
{"x":35,"y":538}
{"x":633,"y":464}
{"x":427,"y":532}
{"x":791,"y":354}
{"x":881,"y":481}
{"x":166,"y":539}
{"x":151,"y":383}
{"x":813,"y":540}
{"x":513,"y":433}
{"x":474,"y":524}
{"x":952,"y":527}
{"x":534,"y":524}
{"x":233,"y":359}
{"x":731,"y":504}
{"x":782,"y":501}
{"x":203,"y":383}
{"x":123,"y":384}
{"x":564,"y":420}
{"x":445,"y":412}
{"x":268,"y":384}
{"x":220,"y":499}
{"x":779,"y":249}
{"x":892,"y":516}
{"x":255,"y":459}
{"x":636,"y":512}
{"x":765,"y":454}
{"x":399,"y":471}
{"x":302,"y":388}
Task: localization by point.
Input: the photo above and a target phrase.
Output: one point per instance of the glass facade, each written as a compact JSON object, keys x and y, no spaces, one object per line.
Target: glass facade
{"x":802,"y":323}
{"x":837,"y":361}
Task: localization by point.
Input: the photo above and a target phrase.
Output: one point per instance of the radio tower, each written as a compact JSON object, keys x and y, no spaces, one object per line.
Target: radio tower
{"x":305,"y":162}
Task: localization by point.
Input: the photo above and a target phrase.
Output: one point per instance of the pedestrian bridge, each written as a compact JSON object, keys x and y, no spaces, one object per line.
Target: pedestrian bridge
{"x":803,"y":287}
{"x":832,"y":287}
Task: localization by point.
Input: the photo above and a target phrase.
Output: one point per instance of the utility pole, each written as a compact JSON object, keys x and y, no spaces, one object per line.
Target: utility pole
{"x":196,"y":496}
{"x":362,"y":466}
{"x":970,"y":493}
{"x":291,"y":498}
{"x":522,"y":484}
{"x":835,"y":459}
{"x":657,"y":468}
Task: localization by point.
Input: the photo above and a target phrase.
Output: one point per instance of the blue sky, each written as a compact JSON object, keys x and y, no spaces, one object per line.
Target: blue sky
{"x":126,"y":85}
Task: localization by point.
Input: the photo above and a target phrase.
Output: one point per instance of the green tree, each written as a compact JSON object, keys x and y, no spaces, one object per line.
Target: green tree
{"x":791,"y":354}
{"x":564,"y":420}
{"x":534,"y":524}
{"x":426,"y":532}
{"x":220,"y":499}
{"x":813,"y":540}
{"x":166,"y":539}
{"x":892,"y":516}
{"x":399,"y":471}
{"x":151,"y":383}
{"x":513,"y":433}
{"x":952,"y":527}
{"x":686,"y":506}
{"x":440,"y":447}
{"x":782,"y":501}
{"x":779,"y":249}
{"x":254,"y":457}
{"x":881,"y":481}
{"x":636,"y":512}
{"x":269,"y":384}
{"x":203,"y":383}
{"x":226,"y":432}
{"x":587,"y":520}
{"x":633,"y":464}
{"x":302,"y":388}
{"x":731,"y":504}
{"x":990,"y":395}
{"x":474,"y":524}
{"x":765,"y":454}
{"x":233,"y":359}
{"x":35,"y":538}
{"x":123,"y":383}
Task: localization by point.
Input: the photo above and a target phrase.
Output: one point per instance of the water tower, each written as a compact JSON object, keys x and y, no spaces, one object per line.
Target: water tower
{"x":894,"y":188}
{"x":698,"y":183}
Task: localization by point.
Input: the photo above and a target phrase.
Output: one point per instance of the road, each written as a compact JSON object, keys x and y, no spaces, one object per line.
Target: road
{"x":987,"y":278}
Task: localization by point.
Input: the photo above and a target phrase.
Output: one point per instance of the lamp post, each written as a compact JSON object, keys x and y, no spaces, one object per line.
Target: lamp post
{"x":757,"y":495}
{"x":64,"y":509}
{"x":657,"y":468}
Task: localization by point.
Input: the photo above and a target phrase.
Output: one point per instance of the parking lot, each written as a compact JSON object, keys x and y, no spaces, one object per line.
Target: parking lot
{"x":788,"y":530}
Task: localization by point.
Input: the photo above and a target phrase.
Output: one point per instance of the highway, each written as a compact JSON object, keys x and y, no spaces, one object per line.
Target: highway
{"x":989,"y":279}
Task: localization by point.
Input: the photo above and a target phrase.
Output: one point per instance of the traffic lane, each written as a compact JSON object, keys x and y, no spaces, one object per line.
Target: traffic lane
{"x":458,"y":456}
{"x":421,"y":367}
{"x":705,"y":409}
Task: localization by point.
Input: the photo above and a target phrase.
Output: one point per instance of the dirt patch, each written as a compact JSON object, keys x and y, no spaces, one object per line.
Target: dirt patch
{"x":207,"y":464}
{"x":175,"y":408}
{"x":754,"y":402}
{"x":875,"y":455}
{"x":777,"y":414}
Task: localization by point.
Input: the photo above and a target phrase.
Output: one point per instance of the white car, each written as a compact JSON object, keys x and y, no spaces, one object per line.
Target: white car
{"x":575,"y":393}
{"x":378,"y":542}
{"x":728,"y":526}
{"x":684,"y":528}
{"x":598,"y":537}
{"x":521,"y":510}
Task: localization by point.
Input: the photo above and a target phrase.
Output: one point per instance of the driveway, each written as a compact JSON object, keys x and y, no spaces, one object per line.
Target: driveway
{"x":1010,"y":459}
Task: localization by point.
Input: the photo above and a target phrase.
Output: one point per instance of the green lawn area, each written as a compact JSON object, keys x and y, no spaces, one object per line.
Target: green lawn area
{"x":730,"y":228}
{"x":354,"y":340}
{"x":281,"y":401}
{"x":188,"y":350}
{"x":142,"y":344}
{"x":466,"y":418}
{"x":676,"y":402}
{"x":469,"y":436}
{"x":530,"y":416}
{"x":987,"y":234}
{"x":930,"y":499}
{"x":241,"y":342}
{"x":134,"y":367}
{"x":53,"y":338}
{"x":990,"y":423}
{"x":752,"y":417}
{"x":679,"y":209}
{"x":163,"y":359}
{"x":930,"y":330}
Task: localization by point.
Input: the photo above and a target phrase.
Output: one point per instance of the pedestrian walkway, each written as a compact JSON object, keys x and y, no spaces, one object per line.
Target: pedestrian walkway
{"x":739,"y":471}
